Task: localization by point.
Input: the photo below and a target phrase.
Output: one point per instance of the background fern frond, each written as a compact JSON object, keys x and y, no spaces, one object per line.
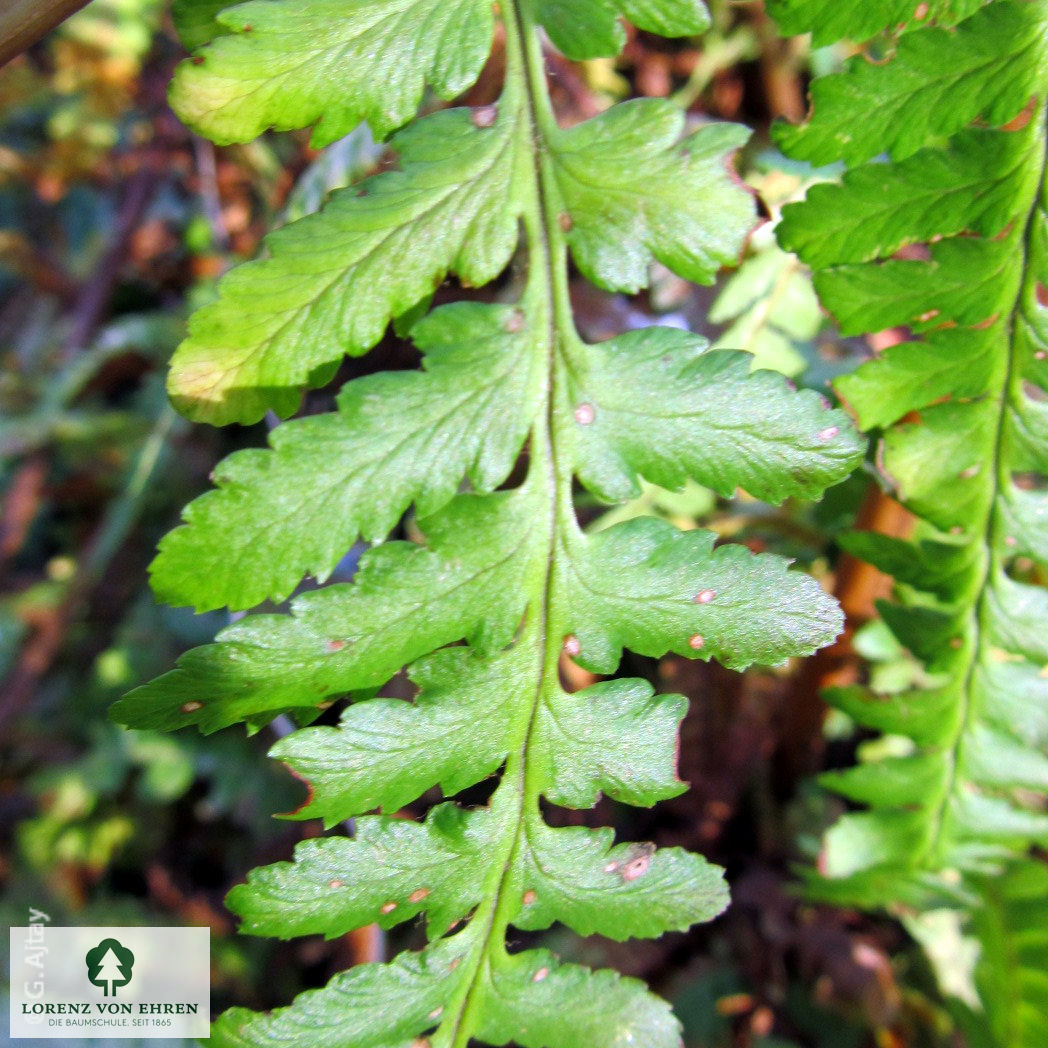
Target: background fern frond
{"x":962,"y":445}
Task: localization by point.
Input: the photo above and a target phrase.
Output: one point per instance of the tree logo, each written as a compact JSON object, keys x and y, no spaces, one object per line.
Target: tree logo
{"x":109,"y":965}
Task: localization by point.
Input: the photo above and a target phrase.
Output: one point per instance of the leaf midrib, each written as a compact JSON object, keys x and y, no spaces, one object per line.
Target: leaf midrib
{"x":546,"y":253}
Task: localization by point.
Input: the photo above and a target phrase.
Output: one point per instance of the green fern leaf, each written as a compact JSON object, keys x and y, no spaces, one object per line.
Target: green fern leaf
{"x":329,"y":64}
{"x":407,"y":600}
{"x":966,"y":280}
{"x":830,"y":20}
{"x":575,"y":876}
{"x":537,"y":1002}
{"x":646,"y":586}
{"x":629,"y":192}
{"x":571,"y":734}
{"x":295,"y":510}
{"x":590,"y":28}
{"x":956,"y":364}
{"x":992,"y":73}
{"x":451,"y":206}
{"x":936,"y":565}
{"x":386,"y":753}
{"x":347,"y":638}
{"x":196,"y":21}
{"x":703,"y":408}
{"x":391,"y":871}
{"x":970,"y":188}
{"x":532,"y":999}
{"x":372,"y":1006}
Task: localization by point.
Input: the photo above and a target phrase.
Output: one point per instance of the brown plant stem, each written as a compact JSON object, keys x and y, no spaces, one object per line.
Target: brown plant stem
{"x":23,"y":22}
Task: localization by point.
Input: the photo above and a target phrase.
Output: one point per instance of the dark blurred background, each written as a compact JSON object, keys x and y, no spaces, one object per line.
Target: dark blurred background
{"x":115,"y":222}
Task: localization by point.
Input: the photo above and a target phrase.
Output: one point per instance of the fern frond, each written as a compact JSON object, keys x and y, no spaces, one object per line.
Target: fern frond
{"x":1011,"y":928}
{"x":965,"y":440}
{"x":505,"y":583}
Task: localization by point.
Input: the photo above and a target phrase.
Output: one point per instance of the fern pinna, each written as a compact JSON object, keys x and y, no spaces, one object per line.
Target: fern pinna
{"x":505,"y":584}
{"x":946,"y":235}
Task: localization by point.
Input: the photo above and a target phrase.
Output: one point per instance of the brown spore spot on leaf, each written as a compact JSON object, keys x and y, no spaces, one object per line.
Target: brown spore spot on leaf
{"x":696,"y":642}
{"x":565,"y":221}
{"x":987,"y":323}
{"x":334,"y":885}
{"x":584,"y":414}
{"x":418,"y":895}
{"x":387,"y":907}
{"x":572,"y":647}
{"x":828,"y":433}
{"x":920,"y":12}
{"x":197,"y":60}
{"x":335,"y":645}
{"x":485,"y":116}
{"x":1042,"y":294}
{"x":540,"y":975}
{"x":529,"y":897}
{"x":436,"y":1013}
{"x":704,"y":596}
{"x":1022,"y":118}
{"x":192,"y":707}
{"x":913,"y":253}
{"x":515,"y":322}
{"x":1034,"y":392}
{"x":637,"y":866}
